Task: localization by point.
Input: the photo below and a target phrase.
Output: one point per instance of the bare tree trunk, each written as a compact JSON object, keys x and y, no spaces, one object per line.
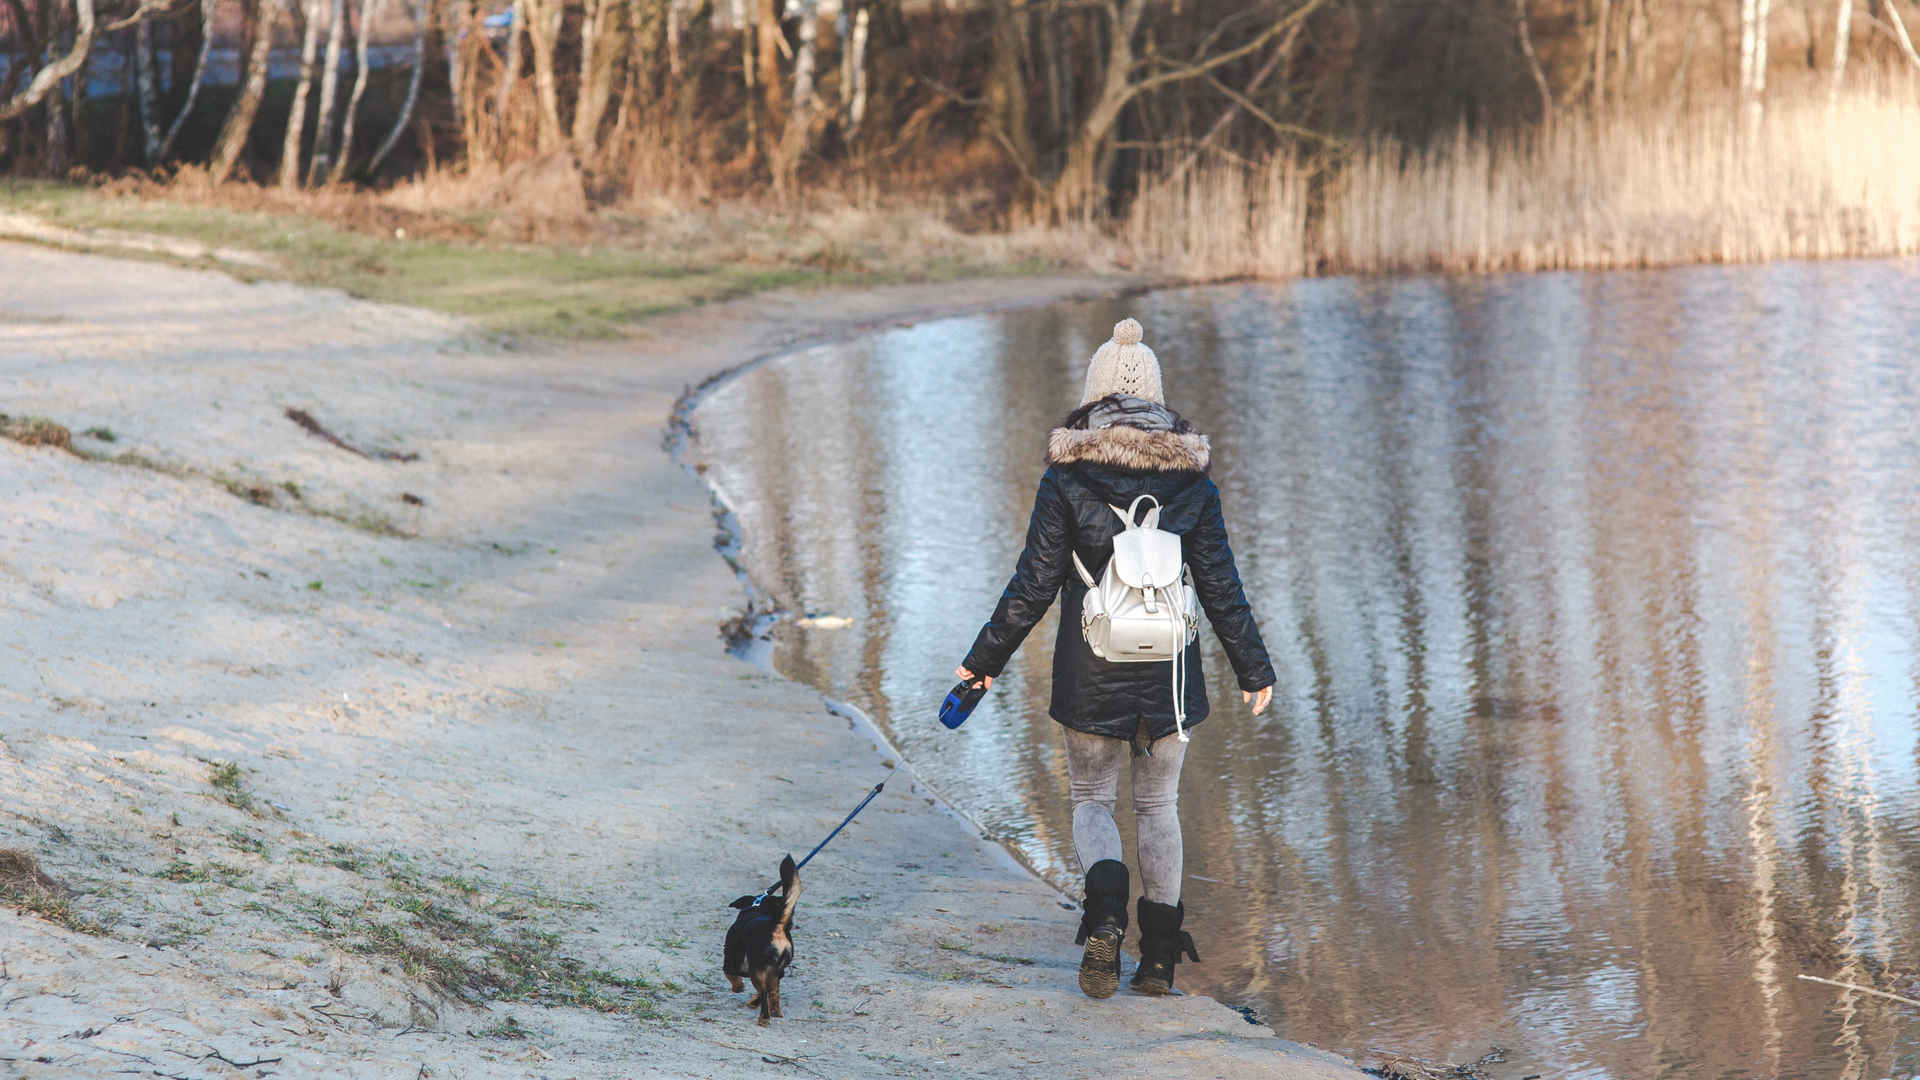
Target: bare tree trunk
{"x":1753,"y":61}
{"x":233,"y":136}
{"x":52,"y":72}
{"x":1006,"y":112}
{"x":772,"y":43}
{"x":543,"y":32}
{"x":510,"y":75}
{"x":413,"y":87}
{"x":369,"y":9}
{"x":1599,"y":90}
{"x":193,"y":87}
{"x":148,"y":96}
{"x":1842,"y":31}
{"x":456,"y":18}
{"x":853,"y":80}
{"x":1533,"y":61}
{"x":748,"y":76}
{"x":798,"y":134}
{"x":297,"y":118}
{"x":599,"y":51}
{"x":60,"y":128}
{"x":673,"y":38}
{"x":329,"y":96}
{"x":1061,"y":106}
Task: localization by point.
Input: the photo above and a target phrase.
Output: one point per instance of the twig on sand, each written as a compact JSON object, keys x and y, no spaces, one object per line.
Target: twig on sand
{"x":214,"y":1053}
{"x":1861,"y":989}
{"x":314,"y":427}
{"x":767,"y":1056}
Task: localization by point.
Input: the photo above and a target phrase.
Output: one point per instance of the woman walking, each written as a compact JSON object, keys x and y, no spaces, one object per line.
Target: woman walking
{"x":1120,"y":444}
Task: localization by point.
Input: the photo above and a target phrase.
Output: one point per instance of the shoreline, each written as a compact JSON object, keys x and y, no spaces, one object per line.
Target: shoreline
{"x":510,"y":741}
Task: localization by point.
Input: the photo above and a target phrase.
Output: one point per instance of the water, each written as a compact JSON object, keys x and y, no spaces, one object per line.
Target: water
{"x":1595,"y":604}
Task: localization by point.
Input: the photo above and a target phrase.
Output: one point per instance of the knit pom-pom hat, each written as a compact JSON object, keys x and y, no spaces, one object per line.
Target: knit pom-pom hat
{"x":1124,"y":365}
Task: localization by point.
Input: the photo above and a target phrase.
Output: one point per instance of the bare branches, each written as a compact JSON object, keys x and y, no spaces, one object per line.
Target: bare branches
{"x":1196,"y":68}
{"x":47,"y":77}
{"x":1533,"y":61}
{"x":1898,"y":29}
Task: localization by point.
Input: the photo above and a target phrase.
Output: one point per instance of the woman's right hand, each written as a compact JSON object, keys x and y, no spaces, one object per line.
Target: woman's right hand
{"x":968,"y":676}
{"x":1260,"y":698}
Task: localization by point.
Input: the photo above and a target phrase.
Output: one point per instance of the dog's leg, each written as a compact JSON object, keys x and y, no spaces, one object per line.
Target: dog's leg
{"x":767,"y":987}
{"x":773,"y":988}
{"x":735,"y":980}
{"x":758,"y":1001}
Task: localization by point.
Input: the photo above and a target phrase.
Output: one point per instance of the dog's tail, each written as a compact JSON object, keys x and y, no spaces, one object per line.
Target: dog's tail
{"x":790,"y":887}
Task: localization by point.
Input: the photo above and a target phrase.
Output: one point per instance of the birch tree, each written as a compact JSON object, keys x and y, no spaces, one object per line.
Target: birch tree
{"x":543,"y":32}
{"x":510,"y":74}
{"x":1753,"y":61}
{"x":297,"y":117}
{"x":329,"y":94}
{"x":368,"y":10}
{"x":797,"y":135}
{"x":413,"y":87}
{"x":239,"y":125}
{"x":193,"y":86}
{"x":147,"y":99}
{"x":598,"y":56}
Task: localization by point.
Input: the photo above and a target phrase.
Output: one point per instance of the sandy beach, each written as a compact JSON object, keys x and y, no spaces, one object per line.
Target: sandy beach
{"x":417,"y":753}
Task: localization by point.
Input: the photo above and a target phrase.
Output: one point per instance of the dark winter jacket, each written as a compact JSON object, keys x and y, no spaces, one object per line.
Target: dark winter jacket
{"x":1142,"y":449}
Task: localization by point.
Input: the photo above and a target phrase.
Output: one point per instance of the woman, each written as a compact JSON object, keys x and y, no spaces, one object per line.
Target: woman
{"x":1121,"y":443}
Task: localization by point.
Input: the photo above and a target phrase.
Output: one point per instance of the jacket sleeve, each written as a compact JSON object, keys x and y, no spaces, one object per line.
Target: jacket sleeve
{"x":1042,"y":569}
{"x":1217,"y":581}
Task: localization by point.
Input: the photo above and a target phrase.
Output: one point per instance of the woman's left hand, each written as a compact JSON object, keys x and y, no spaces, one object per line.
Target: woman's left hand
{"x":1260,"y":698}
{"x":968,"y":676}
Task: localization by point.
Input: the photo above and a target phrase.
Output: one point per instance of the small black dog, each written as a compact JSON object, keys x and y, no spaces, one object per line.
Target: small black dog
{"x":760,"y":941}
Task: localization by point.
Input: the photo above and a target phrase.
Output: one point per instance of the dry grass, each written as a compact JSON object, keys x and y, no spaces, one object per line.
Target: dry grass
{"x":25,"y":886}
{"x":35,"y":431}
{"x":1638,"y":188}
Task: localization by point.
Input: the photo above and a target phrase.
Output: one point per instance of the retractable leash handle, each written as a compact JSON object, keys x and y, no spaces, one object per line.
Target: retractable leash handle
{"x":960,"y":701}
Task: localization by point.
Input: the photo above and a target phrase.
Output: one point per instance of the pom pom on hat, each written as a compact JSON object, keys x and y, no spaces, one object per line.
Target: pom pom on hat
{"x":1124,"y":365}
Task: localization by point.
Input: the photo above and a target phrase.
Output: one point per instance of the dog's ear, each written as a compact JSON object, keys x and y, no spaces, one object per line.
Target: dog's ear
{"x":788,"y":871}
{"x":743,"y":903}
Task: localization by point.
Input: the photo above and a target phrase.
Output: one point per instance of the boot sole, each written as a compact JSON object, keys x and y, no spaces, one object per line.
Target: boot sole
{"x":1100,"y":967}
{"x":1152,"y":987}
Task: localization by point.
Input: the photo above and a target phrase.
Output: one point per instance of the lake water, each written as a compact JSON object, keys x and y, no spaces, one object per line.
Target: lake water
{"x":1595,"y":603}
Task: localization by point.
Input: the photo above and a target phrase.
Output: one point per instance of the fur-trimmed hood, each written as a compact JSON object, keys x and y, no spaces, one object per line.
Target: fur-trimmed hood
{"x":1129,"y":433}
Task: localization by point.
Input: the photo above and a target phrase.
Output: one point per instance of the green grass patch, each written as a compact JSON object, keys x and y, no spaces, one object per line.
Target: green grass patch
{"x":225,"y":778}
{"x":561,"y":291}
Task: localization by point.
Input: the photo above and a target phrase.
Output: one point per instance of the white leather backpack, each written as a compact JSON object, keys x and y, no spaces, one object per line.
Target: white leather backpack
{"x":1143,"y":608}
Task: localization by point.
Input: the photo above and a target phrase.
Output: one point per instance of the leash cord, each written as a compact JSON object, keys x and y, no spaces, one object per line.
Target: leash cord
{"x":844,"y":822}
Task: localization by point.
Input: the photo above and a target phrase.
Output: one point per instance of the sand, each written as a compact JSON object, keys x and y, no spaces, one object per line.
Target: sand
{"x":357,"y":766}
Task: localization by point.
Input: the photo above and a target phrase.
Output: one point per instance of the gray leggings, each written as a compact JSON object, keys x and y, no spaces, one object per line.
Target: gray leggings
{"x":1093,"y":782}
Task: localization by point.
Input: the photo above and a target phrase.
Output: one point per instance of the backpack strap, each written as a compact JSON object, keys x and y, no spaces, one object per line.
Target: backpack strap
{"x":1082,"y":568}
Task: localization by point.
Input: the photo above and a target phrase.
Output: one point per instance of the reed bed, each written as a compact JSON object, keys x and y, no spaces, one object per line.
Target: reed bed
{"x":1649,"y":187}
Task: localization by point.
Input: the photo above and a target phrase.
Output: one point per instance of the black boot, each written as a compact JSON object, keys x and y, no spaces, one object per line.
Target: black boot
{"x":1161,"y":943}
{"x":1102,"y":927}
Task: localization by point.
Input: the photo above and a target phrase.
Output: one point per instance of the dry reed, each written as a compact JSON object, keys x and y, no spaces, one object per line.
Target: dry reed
{"x":1640,"y":188}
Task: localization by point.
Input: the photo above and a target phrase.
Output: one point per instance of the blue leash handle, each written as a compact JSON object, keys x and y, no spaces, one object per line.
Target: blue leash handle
{"x":844,"y":822}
